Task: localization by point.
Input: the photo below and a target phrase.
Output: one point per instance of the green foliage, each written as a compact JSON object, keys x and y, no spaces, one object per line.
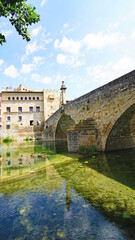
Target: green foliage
{"x":7,"y":139}
{"x":20,"y":14}
{"x":88,"y":150}
{"x":27,"y":139}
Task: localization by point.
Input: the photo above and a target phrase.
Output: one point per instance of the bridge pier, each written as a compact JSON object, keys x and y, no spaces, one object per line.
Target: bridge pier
{"x":72,"y":141}
{"x":85,"y":133}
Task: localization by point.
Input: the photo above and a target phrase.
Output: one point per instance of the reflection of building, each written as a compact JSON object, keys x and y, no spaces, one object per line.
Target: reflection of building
{"x":24,"y":111}
{"x":18,"y":159}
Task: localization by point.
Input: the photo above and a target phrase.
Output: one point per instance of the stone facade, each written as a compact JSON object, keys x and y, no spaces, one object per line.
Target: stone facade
{"x":104,"y":117}
{"x":24,"y":111}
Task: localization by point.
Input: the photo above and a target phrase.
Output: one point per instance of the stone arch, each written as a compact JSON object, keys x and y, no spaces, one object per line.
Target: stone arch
{"x":120,"y":133}
{"x":64,"y":123}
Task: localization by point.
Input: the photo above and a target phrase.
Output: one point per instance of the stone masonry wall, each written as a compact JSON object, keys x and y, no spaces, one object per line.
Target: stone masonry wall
{"x":104,"y":106}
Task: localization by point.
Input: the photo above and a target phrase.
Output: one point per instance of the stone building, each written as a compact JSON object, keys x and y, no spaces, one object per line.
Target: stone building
{"x":24,"y":111}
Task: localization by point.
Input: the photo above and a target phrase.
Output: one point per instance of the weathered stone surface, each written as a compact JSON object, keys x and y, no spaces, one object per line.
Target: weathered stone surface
{"x":109,"y":110}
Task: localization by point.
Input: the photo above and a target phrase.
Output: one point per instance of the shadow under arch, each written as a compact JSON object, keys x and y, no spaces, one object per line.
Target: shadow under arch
{"x":122,"y":133}
{"x":64,"y":123}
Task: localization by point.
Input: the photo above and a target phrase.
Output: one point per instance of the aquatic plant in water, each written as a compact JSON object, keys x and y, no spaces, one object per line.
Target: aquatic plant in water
{"x":84,"y":150}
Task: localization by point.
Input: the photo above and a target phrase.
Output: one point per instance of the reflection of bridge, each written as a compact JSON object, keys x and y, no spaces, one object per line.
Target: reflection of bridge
{"x":104,"y":117}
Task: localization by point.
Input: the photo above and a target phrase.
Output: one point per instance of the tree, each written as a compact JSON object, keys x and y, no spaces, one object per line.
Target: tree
{"x":20,"y":14}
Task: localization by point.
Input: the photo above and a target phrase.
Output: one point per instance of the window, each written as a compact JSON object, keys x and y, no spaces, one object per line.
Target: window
{"x":25,"y":98}
{"x":8,"y":109}
{"x":17,"y":98}
{"x":37,"y":98}
{"x":29,"y":98}
{"x":21,"y":98}
{"x":31,"y":122}
{"x":19,"y":109}
{"x":9,"y":98}
{"x":31,"y":109}
{"x":39,"y":122}
{"x":33,"y":98}
{"x":13,"y":98}
{"x":8,"y":126}
{"x":8,"y":118}
{"x":37,"y":109}
{"x":20,"y":118}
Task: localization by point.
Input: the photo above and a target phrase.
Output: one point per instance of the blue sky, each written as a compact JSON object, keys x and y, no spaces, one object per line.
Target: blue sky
{"x":85,"y":43}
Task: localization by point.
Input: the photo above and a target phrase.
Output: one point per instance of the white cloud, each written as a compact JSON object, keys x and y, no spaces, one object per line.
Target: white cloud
{"x":38,"y":78}
{"x":38,"y":60}
{"x":68,"y":45}
{"x":114,"y":25}
{"x":105,"y":73}
{"x":33,"y":47}
{"x":71,"y":29}
{"x":43,"y":2}
{"x":124,"y":65}
{"x":56,"y":43}
{"x":46,"y":80}
{"x":1,"y":62}
{"x":36,"y":31}
{"x":69,"y":59}
{"x":7,"y":32}
{"x":37,"y":44}
{"x":66,"y":25}
{"x":11,"y":71}
{"x":133,"y":35}
{"x":27,"y":68}
{"x":61,"y":59}
{"x":92,"y":40}
{"x":99,"y":40}
{"x":59,"y":78}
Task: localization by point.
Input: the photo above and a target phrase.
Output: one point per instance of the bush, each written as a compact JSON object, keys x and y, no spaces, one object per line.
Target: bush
{"x":27,"y":139}
{"x":7,"y":139}
{"x":88,"y":150}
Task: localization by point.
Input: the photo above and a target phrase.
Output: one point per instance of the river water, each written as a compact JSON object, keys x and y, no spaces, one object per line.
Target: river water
{"x":47,"y":193}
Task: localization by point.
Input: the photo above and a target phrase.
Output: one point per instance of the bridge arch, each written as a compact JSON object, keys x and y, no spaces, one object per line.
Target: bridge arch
{"x":65,"y":122}
{"x":120,"y":133}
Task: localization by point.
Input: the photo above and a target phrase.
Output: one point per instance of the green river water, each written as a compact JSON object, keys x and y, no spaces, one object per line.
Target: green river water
{"x":47,"y":193}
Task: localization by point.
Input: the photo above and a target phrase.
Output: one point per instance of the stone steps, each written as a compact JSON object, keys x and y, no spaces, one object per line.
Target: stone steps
{"x":87,"y":124}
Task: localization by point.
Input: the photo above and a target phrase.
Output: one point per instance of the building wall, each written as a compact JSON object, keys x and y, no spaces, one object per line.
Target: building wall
{"x":51,"y":102}
{"x":36,"y":107}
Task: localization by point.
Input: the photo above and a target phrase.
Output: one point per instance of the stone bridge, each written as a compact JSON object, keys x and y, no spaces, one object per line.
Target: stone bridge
{"x":104,"y":117}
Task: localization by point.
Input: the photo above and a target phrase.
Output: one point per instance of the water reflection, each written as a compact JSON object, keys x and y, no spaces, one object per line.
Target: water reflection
{"x":19,"y":159}
{"x":117,"y":165}
{"x":73,"y":198}
{"x":45,"y":207}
